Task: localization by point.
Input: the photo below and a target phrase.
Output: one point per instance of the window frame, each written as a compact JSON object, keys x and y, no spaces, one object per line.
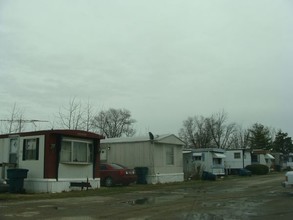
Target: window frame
{"x":217,"y":161}
{"x":170,"y":155}
{"x":73,"y":148}
{"x":29,"y":154}
{"x":238,"y":155}
{"x":197,"y":158}
{"x":13,"y":149}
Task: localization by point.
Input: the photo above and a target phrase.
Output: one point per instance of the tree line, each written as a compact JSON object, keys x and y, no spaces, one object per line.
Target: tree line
{"x":77,"y":116}
{"x":197,"y":131}
{"x":216,"y":131}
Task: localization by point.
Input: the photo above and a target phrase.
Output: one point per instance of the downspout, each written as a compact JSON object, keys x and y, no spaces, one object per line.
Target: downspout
{"x":58,"y":149}
{"x":96,"y":151}
{"x":243,"y":152}
{"x":152,"y":157}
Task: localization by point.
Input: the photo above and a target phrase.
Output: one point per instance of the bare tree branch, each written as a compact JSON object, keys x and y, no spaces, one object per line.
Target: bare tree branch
{"x":114,"y":123}
{"x":75,"y":117}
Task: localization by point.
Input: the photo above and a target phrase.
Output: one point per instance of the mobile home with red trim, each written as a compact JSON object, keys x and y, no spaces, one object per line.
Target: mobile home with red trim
{"x":54,"y":158}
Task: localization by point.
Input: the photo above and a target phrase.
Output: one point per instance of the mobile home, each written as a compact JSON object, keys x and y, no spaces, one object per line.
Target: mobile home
{"x":236,"y":159}
{"x":54,"y":158}
{"x":204,"y":159}
{"x":160,"y":154}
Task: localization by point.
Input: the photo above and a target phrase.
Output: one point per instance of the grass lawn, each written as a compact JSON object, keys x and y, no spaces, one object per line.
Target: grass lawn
{"x":103,"y":191}
{"x":108,"y":191}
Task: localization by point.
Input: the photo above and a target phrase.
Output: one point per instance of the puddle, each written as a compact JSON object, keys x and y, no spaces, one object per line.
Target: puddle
{"x":141,"y":201}
{"x":153,"y":200}
{"x":202,"y":216}
{"x":27,"y":214}
{"x":46,"y":206}
{"x":74,"y":218}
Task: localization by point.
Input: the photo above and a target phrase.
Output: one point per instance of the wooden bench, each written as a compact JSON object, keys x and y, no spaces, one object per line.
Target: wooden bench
{"x":80,"y":184}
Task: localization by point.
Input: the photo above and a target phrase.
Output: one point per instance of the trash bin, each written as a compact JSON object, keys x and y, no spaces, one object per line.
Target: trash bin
{"x":208,"y":176}
{"x":141,"y":173}
{"x":15,"y":179}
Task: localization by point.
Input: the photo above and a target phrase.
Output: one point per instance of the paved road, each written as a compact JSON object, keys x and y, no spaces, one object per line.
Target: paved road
{"x":257,"y":197}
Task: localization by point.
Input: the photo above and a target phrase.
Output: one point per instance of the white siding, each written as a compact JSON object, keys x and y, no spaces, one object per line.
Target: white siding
{"x":207,"y":163}
{"x":247,"y":158}
{"x":234,"y":163}
{"x":53,"y":186}
{"x":35,"y":167}
{"x":4,"y":156}
{"x":160,"y":159}
{"x":148,"y":154}
{"x":75,"y":170}
{"x":130,"y":154}
{"x":4,"y":150}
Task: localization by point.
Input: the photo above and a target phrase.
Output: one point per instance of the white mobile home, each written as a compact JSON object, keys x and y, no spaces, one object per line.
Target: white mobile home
{"x":289,"y":161}
{"x":279,"y":163}
{"x":162,"y":155}
{"x":259,"y":156}
{"x":236,"y":159}
{"x":55,"y":159}
{"x":204,"y":159}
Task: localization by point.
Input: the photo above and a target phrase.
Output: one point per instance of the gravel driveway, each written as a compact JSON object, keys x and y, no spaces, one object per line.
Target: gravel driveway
{"x":256,"y":197}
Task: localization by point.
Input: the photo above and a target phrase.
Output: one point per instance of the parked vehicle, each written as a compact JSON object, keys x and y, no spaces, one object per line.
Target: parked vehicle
{"x":114,"y":174}
{"x":288,"y":183}
{"x":244,"y":172}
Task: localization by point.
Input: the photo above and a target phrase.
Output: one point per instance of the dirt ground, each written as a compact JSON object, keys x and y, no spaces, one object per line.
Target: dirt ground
{"x":256,"y":197}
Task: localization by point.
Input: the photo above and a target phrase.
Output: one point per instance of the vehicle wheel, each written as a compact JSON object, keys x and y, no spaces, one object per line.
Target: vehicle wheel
{"x":108,"y":182}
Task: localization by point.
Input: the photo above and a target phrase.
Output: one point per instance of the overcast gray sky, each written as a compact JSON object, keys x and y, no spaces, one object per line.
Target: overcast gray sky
{"x":163,"y":60}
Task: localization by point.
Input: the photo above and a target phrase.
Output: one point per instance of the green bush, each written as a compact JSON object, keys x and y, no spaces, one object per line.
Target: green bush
{"x":258,"y":169}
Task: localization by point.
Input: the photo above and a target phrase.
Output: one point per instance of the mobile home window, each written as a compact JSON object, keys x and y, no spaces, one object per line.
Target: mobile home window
{"x":76,"y":151}
{"x":13,"y":150}
{"x":237,"y":155}
{"x":197,"y":158}
{"x":30,"y":149}
{"x":217,"y":161}
{"x":170,"y":156}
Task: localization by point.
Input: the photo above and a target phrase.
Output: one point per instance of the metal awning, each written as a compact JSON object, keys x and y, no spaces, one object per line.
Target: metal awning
{"x":269,"y":156}
{"x":217,"y":155}
{"x":197,"y":154}
{"x":186,"y":151}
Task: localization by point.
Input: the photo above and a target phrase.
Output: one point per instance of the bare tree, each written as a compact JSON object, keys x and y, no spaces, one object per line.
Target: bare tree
{"x":114,"y":123}
{"x":195,"y":132}
{"x":239,"y":139}
{"x":89,"y":116}
{"x":75,"y":116}
{"x":14,"y":122}
{"x":203,"y":135}
{"x":220,"y":130}
{"x":202,"y":132}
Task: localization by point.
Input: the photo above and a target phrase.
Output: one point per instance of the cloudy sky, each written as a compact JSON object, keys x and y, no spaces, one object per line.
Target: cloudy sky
{"x":163,"y":60}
